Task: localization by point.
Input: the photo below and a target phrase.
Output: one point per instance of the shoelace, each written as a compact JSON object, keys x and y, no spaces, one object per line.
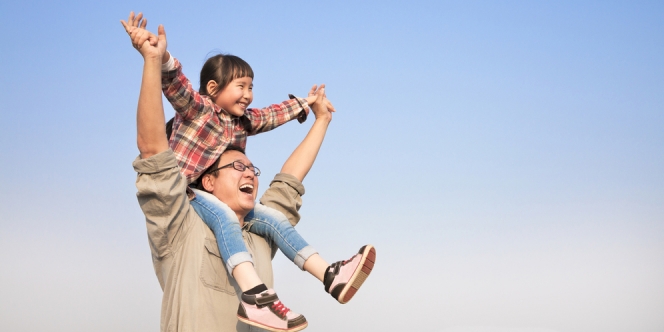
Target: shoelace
{"x":347,"y":261}
{"x":280,"y":309}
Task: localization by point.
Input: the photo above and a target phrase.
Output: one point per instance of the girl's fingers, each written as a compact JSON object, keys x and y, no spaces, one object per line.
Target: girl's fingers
{"x":153,"y":40}
{"x":144,"y":36}
{"x":136,"y":37}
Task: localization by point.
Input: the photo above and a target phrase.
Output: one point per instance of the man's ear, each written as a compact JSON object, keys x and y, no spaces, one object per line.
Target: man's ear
{"x":208,"y":182}
{"x":211,"y":87}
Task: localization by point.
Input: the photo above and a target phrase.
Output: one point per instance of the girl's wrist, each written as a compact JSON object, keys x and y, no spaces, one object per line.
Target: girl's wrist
{"x":166,"y":57}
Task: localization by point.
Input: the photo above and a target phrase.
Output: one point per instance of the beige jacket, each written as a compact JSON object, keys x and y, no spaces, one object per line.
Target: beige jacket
{"x":198,"y":294}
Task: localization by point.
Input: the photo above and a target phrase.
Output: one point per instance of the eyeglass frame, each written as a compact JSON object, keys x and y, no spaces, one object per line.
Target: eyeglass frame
{"x":244,"y":167}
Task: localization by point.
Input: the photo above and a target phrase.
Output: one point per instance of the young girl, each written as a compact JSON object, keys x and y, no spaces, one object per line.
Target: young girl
{"x":207,"y":123}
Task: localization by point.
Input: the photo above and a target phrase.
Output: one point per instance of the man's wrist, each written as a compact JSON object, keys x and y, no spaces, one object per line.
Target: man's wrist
{"x":152,"y":60}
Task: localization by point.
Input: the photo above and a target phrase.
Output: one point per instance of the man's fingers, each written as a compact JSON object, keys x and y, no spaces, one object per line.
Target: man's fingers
{"x":144,"y":23}
{"x":321,"y":90}
{"x":161,"y":33}
{"x":137,"y":19}
{"x":330,"y":107}
{"x":130,"y":20}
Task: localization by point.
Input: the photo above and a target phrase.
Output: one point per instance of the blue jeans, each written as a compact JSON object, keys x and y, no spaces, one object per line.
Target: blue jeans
{"x":262,"y":220}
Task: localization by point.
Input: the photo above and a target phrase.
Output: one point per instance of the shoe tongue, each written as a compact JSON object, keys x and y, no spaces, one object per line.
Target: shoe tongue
{"x":266,"y":298}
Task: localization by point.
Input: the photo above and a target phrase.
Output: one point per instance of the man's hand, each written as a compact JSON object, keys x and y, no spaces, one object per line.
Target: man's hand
{"x":149,"y":45}
{"x":314,"y":97}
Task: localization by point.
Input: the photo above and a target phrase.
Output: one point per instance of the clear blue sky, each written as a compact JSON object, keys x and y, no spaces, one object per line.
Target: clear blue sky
{"x":505,"y":158}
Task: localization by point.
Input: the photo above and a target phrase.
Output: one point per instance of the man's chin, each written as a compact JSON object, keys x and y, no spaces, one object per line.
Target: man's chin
{"x":248,"y":207}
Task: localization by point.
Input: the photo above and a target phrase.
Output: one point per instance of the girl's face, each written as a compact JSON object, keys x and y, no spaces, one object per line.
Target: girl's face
{"x":236,"y":96}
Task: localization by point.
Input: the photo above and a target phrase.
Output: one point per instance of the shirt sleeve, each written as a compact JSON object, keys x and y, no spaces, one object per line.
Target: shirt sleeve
{"x":273,"y":116}
{"x":182,"y":96}
{"x":285,"y":195}
{"x":162,"y":195}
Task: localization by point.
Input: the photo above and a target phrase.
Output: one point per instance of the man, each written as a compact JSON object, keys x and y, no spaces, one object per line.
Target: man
{"x":198,"y":295}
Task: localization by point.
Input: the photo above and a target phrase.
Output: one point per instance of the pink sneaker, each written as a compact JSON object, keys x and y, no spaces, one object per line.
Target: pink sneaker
{"x":267,"y":312}
{"x":343,"y":279}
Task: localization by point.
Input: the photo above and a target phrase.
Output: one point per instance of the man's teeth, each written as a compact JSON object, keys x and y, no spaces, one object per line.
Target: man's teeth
{"x":247,"y":188}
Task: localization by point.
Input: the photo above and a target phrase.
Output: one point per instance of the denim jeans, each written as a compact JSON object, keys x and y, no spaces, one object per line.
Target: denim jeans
{"x":262,"y":220}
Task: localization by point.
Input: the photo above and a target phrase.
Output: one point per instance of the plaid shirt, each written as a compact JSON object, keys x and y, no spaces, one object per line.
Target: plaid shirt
{"x":202,"y":131}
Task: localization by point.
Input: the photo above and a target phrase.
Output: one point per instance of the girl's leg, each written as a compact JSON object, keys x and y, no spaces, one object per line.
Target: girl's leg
{"x":226,"y":228}
{"x":316,"y":266}
{"x":274,"y":226}
{"x":246,"y":277}
{"x":259,"y":306}
{"x":341,"y":279}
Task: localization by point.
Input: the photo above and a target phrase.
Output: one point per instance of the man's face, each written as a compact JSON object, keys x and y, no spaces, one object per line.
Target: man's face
{"x":237,"y":189}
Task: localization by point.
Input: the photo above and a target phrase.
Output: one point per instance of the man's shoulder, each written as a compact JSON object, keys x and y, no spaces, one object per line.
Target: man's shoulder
{"x":162,"y":196}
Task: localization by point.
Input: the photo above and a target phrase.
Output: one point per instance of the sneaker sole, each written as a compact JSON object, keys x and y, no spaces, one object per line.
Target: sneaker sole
{"x":360,"y":275}
{"x":273,"y":329}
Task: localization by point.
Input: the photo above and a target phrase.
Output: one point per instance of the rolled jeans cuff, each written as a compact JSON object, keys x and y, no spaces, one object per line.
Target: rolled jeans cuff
{"x":238,"y":259}
{"x":303,"y":255}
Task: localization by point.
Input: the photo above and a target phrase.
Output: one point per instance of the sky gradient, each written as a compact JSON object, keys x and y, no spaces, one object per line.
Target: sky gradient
{"x":502,"y":157}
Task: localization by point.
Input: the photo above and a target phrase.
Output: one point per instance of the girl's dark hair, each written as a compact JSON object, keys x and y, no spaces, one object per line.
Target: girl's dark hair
{"x":169,"y":128}
{"x":223,"y":68}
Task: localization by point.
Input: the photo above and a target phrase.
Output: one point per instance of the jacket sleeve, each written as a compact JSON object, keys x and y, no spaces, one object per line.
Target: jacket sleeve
{"x":285,"y":195}
{"x":162,"y":195}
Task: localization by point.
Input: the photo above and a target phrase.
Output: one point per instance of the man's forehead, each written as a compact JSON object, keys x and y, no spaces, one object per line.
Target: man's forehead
{"x":234,"y":155}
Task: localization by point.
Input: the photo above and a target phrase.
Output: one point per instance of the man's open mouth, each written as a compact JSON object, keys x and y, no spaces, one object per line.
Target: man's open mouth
{"x":247,"y":189}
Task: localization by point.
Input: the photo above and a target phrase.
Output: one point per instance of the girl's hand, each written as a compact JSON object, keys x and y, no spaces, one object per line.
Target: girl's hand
{"x":317,"y":95}
{"x":323,"y":108}
{"x":312,"y":96}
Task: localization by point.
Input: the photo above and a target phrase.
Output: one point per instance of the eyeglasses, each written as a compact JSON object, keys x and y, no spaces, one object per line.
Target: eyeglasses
{"x":239,"y":166}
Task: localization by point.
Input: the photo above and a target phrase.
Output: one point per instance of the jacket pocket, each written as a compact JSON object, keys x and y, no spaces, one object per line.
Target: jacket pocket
{"x":213,"y":270}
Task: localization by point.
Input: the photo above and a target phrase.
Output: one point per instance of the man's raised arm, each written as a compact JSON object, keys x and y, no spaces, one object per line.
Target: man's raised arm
{"x":300,"y":161}
{"x":150,"y":121}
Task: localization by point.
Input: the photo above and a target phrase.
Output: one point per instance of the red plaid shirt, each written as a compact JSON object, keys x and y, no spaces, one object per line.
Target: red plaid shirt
{"x":202,"y":131}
